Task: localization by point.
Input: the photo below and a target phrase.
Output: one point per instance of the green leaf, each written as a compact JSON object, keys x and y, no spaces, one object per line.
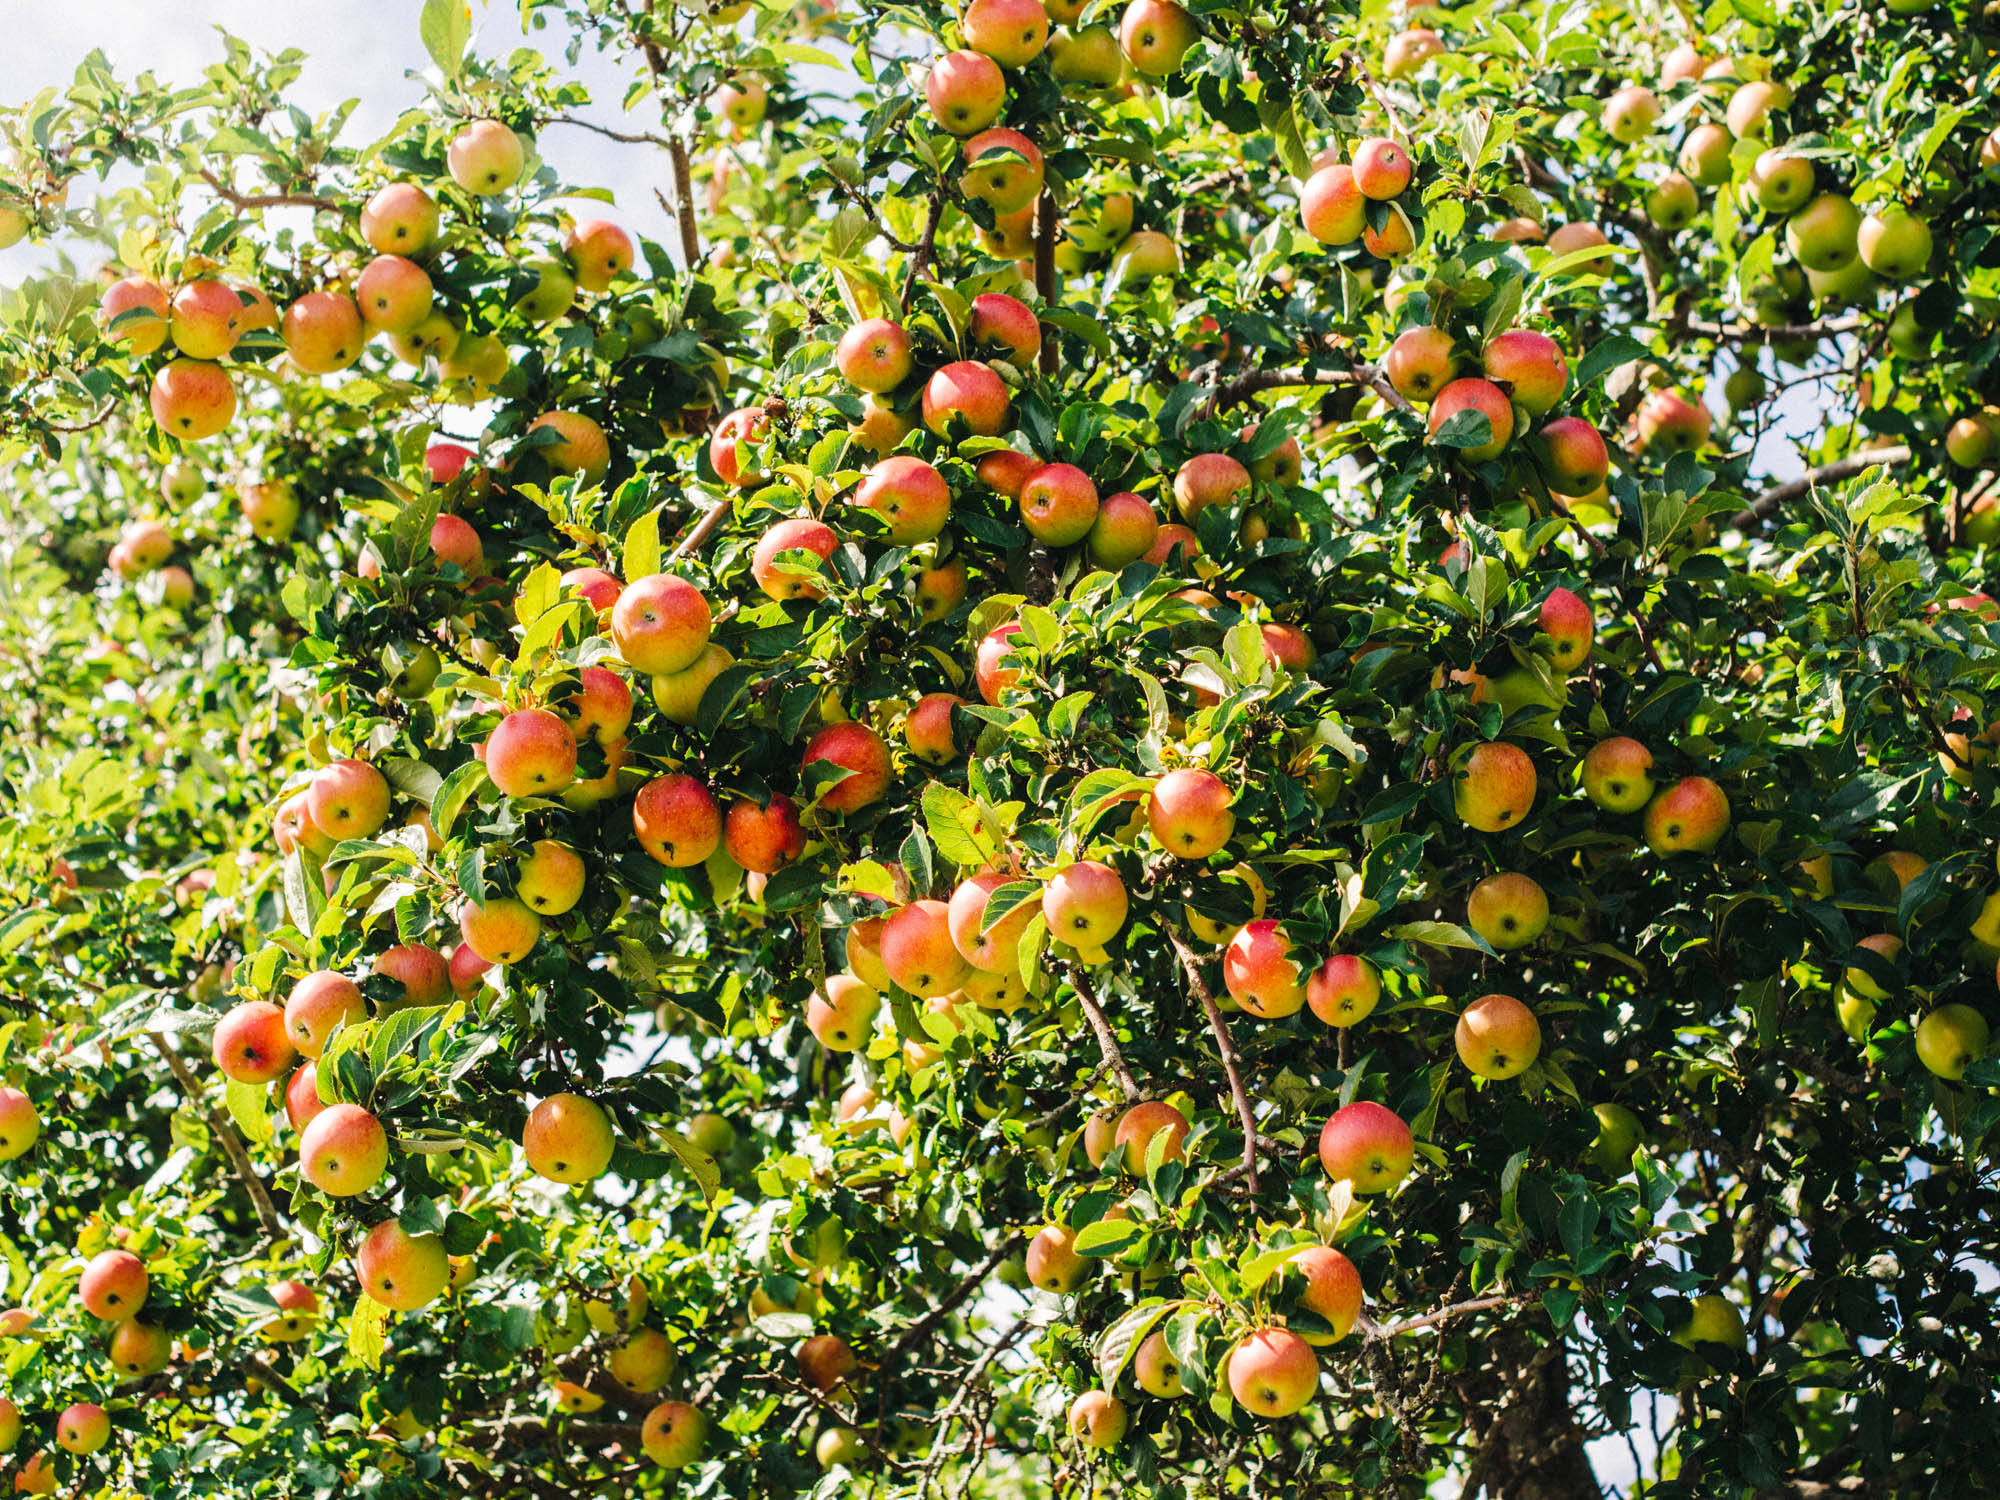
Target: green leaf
{"x":459,"y":788}
{"x":1107,"y":1237}
{"x":249,"y":1108}
{"x":305,"y":889}
{"x":955,"y":826}
{"x":445,"y":27}
{"x":1438,"y":935}
{"x":1604,"y":356}
{"x":641,"y":552}
{"x":367,"y":1329}
{"x":700,"y":1165}
{"x":1123,"y":1338}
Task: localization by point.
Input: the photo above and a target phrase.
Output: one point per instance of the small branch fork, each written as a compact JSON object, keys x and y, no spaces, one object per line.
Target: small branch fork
{"x":225,"y":1132}
{"x":1106,"y":1042}
{"x":235,"y":199}
{"x":1247,"y":385}
{"x":1224,"y":1044}
{"x":1377,"y":1331}
{"x":1762,"y":508}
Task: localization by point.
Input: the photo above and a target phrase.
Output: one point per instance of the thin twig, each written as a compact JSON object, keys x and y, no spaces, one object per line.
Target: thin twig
{"x":235,"y":199}
{"x":1106,"y":1042}
{"x":920,"y":262}
{"x":1046,"y":223}
{"x":1445,"y":1314}
{"x":1792,"y":489}
{"x":225,"y":1132}
{"x":1227,"y":1047}
{"x":643,"y":138}
{"x":705,"y":528}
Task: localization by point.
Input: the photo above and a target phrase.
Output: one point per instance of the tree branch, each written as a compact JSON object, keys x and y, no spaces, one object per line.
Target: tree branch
{"x":920,"y":262}
{"x":1792,"y":489}
{"x":1250,"y":383}
{"x":920,"y":1330}
{"x":1192,"y":968}
{"x":225,"y":1132}
{"x":1045,"y":267}
{"x":1445,"y":1314}
{"x":643,"y":138}
{"x":235,"y":199}
{"x":1106,"y":1042}
{"x":703,"y":529}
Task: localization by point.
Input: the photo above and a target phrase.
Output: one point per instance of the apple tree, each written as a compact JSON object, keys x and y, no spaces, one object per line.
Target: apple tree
{"x":1217,"y":749}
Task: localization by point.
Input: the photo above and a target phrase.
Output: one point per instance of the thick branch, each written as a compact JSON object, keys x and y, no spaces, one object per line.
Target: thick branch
{"x":921,"y":261}
{"x":1227,"y":1047}
{"x":1844,"y":468}
{"x":1106,"y":1042}
{"x":225,"y":1132}
{"x":703,"y":529}
{"x":1249,"y":384}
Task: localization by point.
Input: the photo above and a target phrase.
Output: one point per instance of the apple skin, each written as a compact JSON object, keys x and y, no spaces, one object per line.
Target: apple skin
{"x":1006,"y":324}
{"x":20,"y":1124}
{"x":1508,"y":910}
{"x":1124,"y":530}
{"x":856,"y":748}
{"x":911,"y":495}
{"x":302,"y":1101}
{"x":142,"y":336}
{"x":584,"y":450}
{"x":405,"y":1272}
{"x":1496,"y":787}
{"x":1618,"y":1135}
{"x":1630,"y":114}
{"x":1531,"y":366}
{"x":423,"y":973}
{"x":1332,"y":205}
{"x":485,"y":158}
{"x":1498,"y":1037}
{"x":1188,"y":812}
{"x":1172,"y":541}
{"x":139,"y":1349}
{"x":1381,"y":168}
{"x":1950,"y":1038}
{"x":764,"y":838}
{"x":1088,"y":56}
{"x":1272,"y":1372}
{"x":1617,"y":774}
{"x":324,"y":332}
{"x":503,"y":931}
{"x":1895,"y":243}
{"x":1098,"y":1420}
{"x":1140,"y":1124}
{"x":1052,"y":1261}
{"x":1570,"y":238}
{"x":1208,"y":479}
{"x":1343,"y":990}
{"x":841,"y":1016}
{"x":1714,"y":1320}
{"x":1669,"y":423}
{"x":568,"y":1139}
{"x":1471,"y":393}
{"x":192,"y":399}
{"x":972,"y":393}
{"x":661,"y":624}
{"x":1577,"y":459}
{"x":928,"y":729}
{"x":966,"y":92}
{"x":1058,"y":505}
{"x":205,"y":318}
{"x":1689,"y":817}
{"x":1085,"y":905}
{"x":918,"y":951}
{"x":601,"y":590}
{"x":1823,"y":236}
{"x":1261,"y":971}
{"x":798,"y":534}
{"x":1155,"y":36}
{"x":1421,"y":363}
{"x":318,"y":1003}
{"x":1146,"y":255}
{"x":343,"y":1151}
{"x":83,"y":1428}
{"x":531,"y":753}
{"x":550,"y":878}
{"x":677,"y":820}
{"x":1394,"y":240}
{"x":1155,"y":1369}
{"x":348,"y":799}
{"x":1331,"y":1289}
{"x":990,"y":949}
{"x":114,"y":1285}
{"x":298,"y":1315}
{"x":1751,"y":106}
{"x":874,"y":355}
{"x":393,"y":293}
{"x":1566,"y":620}
{"x":1004,"y":169}
{"x":673,"y":1434}
{"x":252,"y":1043}
{"x":742,"y":427}
{"x":1704,"y":155}
{"x":599,"y":253}
{"x":1011,"y":32}
{"x":271,"y":508}
{"x":1859,"y":981}
{"x":400,"y":219}
{"x":1368,"y":1145}
{"x":994,"y":679}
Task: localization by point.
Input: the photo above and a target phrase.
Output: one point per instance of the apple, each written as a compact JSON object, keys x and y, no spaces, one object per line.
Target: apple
{"x":141,"y":335}
{"x":881,"y":428}
{"x":114,"y":1285}
{"x":1396,"y":239}
{"x":1861,"y":981}
{"x":1331,"y":1290}
{"x":601,"y":708}
{"x":323,"y":332}
{"x":568,"y":1139}
{"x":764,"y":838}
{"x":343,"y":1150}
{"x":998,"y":321}
{"x":1052,"y":1261}
{"x":205,"y":319}
{"x":1155,"y":36}
{"x":140,"y":1349}
{"x":1689,"y":817}
{"x":1617,"y":774}
{"x":1085,"y":905}
{"x":1381,"y":168}
{"x":661,"y":624}
{"x":909,"y":494}
{"x":966,"y":92}
{"x":1343,"y":990}
{"x":531,"y":753}
{"x":842,"y":1014}
{"x":1950,"y":1038}
{"x":874,"y":355}
{"x":1566,"y":620}
{"x":972,"y":393}
{"x":673,"y":1434}
{"x":83,"y":1428}
{"x":1471,"y":393}
{"x":1631,"y":113}
{"x":400,"y":219}
{"x":1272,"y":1372}
{"x":1713,"y":1319}
{"x":1097,"y":1419}
{"x":825,"y":1361}
{"x":1262,"y":973}
{"x":678,"y":695}
{"x":1495,"y":786}
{"x":1011,"y":32}
{"x":918,"y":950}
{"x":855,"y":748}
{"x":1091,"y":57}
{"x":1682,"y":65}
{"x":1824,"y":235}
{"x":1570,"y":239}
{"x":1508,"y":910}
{"x":1138,"y":1127}
{"x":991,"y":947}
{"x":839,"y":1446}
{"x":422,"y":972}
{"x":1668,"y":423}
{"x":454,"y":541}
{"x":1421,"y":363}
{"x":1188,"y":812}
{"x":298,"y":1314}
{"x":1498,"y":1037}
{"x":1516,"y":231}
{"x":745,"y":426}
{"x":271,"y":508}
{"x":1618,"y":1136}
{"x":552,"y":293}
{"x":485,"y":158}
{"x":1367,"y":1145}
{"x":500,"y":931}
{"x":1577,"y":459}
{"x":1208,"y":479}
{"x":1003,"y":168}
{"x":599,"y":253}
{"x":1155,"y":1369}
{"x":192,"y":399}
{"x":393,"y":294}
{"x":928,"y":729}
{"x":583,"y":450}
{"x":252,"y":1043}
{"x":1705,"y":156}
{"x":1529,"y":366}
{"x":402,"y":1271}
{"x":550,"y":879}
{"x":10,"y":1420}
{"x":677,"y":820}
{"x":1147,"y":255}
{"x":1894,"y":243}
{"x":1058,"y":504}
{"x":1172,"y":542}
{"x":318,"y":1003}
{"x":20,"y":1124}
{"x":1332,"y":205}
{"x":1752,"y":105}
{"x":1407,"y":51}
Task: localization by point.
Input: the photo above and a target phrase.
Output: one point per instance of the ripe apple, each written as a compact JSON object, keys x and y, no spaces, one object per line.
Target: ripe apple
{"x":928,"y":730}
{"x":661,"y":624}
{"x":584,"y":450}
{"x":764,"y":838}
{"x":1155,"y":36}
{"x":302,"y":1100}
{"x":678,"y":695}
{"x":1097,"y":1419}
{"x":1577,"y":459}
{"x":502,"y":931}
{"x":343,"y":1150}
{"x":485,"y":158}
{"x":1272,"y":1372}
{"x":1421,"y":363}
{"x":799,"y":534}
{"x":1011,"y":32}
{"x":1861,"y":981}
{"x":1085,"y":905}
{"x":318,"y":1003}
{"x":140,"y":1349}
{"x":1495,"y":787}
{"x":1172,"y":543}
{"x":400,"y":219}
{"x":881,"y":428}
{"x":825,"y":1361}
{"x":467,"y":970}
{"x":998,"y":321}
{"x":599,"y":253}
{"x":550,"y":879}
{"x":192,"y":399}
{"x":1617,"y":774}
{"x":1704,"y":155}
{"x":678,"y":820}
{"x":1155,"y":1369}
{"x":1003,"y":168}
{"x":1332,"y":205}
{"x":673,"y":1434}
{"x":1396,"y":239}
{"x":83,"y":1428}
{"x":393,"y":294}
{"x":400,"y":1270}
{"x":252,"y":1044}
{"x":856,"y":748}
{"x":140,"y":334}
{"x":1690,"y":816}
{"x":1146,"y":255}
{"x":1824,"y":235}
{"x":1407,"y":51}
{"x":992,"y":948}
{"x":1530,"y":367}
{"x":20,"y":1124}
{"x":271,"y":508}
{"x":1188,"y":812}
{"x":323,"y":332}
{"x":601,"y":708}
{"x":909,"y":494}
{"x":1631,"y":113}
{"x":966,"y":92}
{"x":1052,"y":1261}
{"x":1566,"y":620}
{"x":1951,"y":1038}
{"x":1570,"y":239}
{"x":745,"y":426}
{"x":1343,"y":990}
{"x":1381,"y":168}
{"x":1895,"y":243}
{"x":1138,"y":1127}
{"x":1669,"y":423}
{"x":1058,"y":504}
{"x":1367,"y":1145}
{"x":842,"y":1015}
{"x":918,"y":951}
{"x":1325,"y":1283}
{"x":971,"y":392}
{"x":1090,"y":57}
{"x":1208,"y":479}
{"x":568,"y":1139}
{"x":1498,"y":1037}
{"x":454,"y":541}
{"x":1509,"y":911}
{"x":422,"y":972}
{"x":298,"y":1315}
{"x":114,"y":1285}
{"x":1753,"y":103}
{"x":205,"y":319}
{"x":1471,"y":393}
{"x":531,"y":753}
{"x":874,"y":355}
{"x":1262,"y":972}
{"x":993,"y":678}
{"x":1123,"y":531}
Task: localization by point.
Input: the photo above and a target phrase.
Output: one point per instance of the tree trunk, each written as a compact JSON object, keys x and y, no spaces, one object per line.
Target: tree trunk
{"x":1526,"y":1444}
